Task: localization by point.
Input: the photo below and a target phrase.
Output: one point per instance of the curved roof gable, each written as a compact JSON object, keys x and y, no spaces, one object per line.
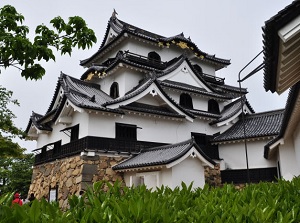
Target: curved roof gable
{"x":81,"y":94}
{"x":186,"y":68}
{"x":34,"y":121}
{"x":149,"y":86}
{"x":120,"y":28}
{"x":164,"y":155}
{"x":231,"y":111}
{"x":265,"y":124}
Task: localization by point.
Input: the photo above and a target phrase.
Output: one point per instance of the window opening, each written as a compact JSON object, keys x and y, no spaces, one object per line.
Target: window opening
{"x":114,"y":90}
{"x":186,"y":101}
{"x":126,"y":131}
{"x":72,"y":132}
{"x":153,"y":56}
{"x":213,"y":106}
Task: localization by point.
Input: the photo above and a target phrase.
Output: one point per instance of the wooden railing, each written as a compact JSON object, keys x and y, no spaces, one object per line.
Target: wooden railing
{"x":93,"y":143}
{"x":256,"y":175}
{"x":145,"y":60}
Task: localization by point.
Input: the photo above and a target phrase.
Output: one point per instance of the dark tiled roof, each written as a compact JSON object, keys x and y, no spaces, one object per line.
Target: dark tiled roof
{"x":257,"y":125}
{"x":151,"y":109}
{"x":191,"y":88}
{"x":161,"y":155}
{"x":232,"y":109}
{"x":133,"y":60}
{"x":121,"y":28}
{"x":203,"y":113}
{"x":34,"y":119}
{"x":134,"y":92}
{"x":82,"y":94}
{"x":271,"y":42}
{"x":142,"y":87}
{"x":230,"y":91}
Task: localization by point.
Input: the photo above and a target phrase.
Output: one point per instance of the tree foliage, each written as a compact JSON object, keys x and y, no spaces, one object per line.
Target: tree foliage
{"x":17,"y":50}
{"x":8,"y":130}
{"x":15,"y":173}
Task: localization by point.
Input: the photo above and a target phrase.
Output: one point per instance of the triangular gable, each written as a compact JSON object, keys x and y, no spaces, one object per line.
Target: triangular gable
{"x":194,"y":153}
{"x":183,"y":73}
{"x":168,"y":156}
{"x":152,"y":88}
{"x":232,"y":111}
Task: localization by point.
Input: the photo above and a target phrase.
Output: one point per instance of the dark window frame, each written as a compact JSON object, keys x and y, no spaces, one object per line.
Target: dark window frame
{"x":186,"y":101}
{"x":72,"y":132}
{"x":126,"y":131}
{"x":114,"y":90}
{"x":213,"y":106}
{"x":204,"y":142}
{"x":154,"y":56}
{"x":239,"y":176}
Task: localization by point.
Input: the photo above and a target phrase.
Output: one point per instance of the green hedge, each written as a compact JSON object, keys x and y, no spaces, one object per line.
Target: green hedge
{"x":263,"y":202}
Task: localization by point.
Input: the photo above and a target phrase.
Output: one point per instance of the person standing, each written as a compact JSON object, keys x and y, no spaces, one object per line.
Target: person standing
{"x":17,"y":199}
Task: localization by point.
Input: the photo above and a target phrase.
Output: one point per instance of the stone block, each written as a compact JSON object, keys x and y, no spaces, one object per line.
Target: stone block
{"x":78,"y":179}
{"x":69,"y":182}
{"x":89,"y":169}
{"x":87,"y":177}
{"x":103,"y":165}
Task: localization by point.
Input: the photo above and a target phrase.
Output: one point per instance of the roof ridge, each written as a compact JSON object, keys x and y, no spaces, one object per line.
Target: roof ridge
{"x":265,"y":113}
{"x":188,"y":141}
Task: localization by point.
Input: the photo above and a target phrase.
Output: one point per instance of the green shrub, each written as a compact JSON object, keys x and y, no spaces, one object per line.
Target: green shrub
{"x":263,"y":202}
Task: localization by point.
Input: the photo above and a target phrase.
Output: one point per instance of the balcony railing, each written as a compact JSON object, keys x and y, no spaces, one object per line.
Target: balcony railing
{"x":93,"y":143}
{"x":213,"y":79}
{"x":146,"y":61}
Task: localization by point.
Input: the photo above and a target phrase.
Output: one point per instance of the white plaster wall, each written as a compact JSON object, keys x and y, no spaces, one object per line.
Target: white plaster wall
{"x":155,"y":129}
{"x":168,"y":131}
{"x":288,"y":160}
{"x":296,"y":138}
{"x":126,"y":79}
{"x":235,"y":157}
{"x":188,"y":171}
{"x":131,"y":179}
{"x":206,"y":68}
{"x":149,"y":100}
{"x":166,"y":177}
{"x":115,"y":77}
{"x":152,"y":129}
{"x":184,"y":74}
{"x":103,"y":125}
{"x":199,"y":103}
{"x":80,"y":118}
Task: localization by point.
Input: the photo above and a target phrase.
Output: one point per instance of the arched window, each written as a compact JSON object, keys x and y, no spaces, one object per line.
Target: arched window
{"x":198,"y":68}
{"x":213,"y":106}
{"x":154,"y":56}
{"x":114,"y":90}
{"x":186,"y":101}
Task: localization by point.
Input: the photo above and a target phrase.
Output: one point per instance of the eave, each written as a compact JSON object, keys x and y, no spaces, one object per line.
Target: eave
{"x":243,"y":140}
{"x":281,"y":39}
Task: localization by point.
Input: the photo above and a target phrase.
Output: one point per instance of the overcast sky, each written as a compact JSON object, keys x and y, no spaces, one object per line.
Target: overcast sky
{"x":230,"y":29}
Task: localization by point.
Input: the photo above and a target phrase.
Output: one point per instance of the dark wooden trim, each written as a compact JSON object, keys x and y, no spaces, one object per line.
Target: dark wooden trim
{"x":93,"y":143}
{"x":239,"y":176}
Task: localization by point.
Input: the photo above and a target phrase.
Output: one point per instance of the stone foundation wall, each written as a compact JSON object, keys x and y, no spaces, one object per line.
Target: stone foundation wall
{"x":213,"y":176}
{"x":72,"y":174}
